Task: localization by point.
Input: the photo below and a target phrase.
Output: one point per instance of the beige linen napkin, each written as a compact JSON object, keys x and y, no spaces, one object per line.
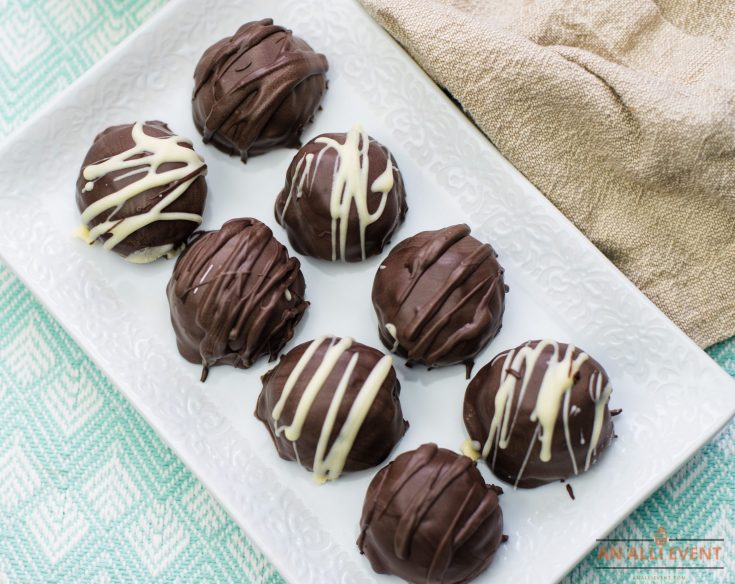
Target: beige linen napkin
{"x":622,"y":112}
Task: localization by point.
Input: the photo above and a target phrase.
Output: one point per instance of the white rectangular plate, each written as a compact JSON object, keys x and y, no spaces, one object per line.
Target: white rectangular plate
{"x":673,"y":396}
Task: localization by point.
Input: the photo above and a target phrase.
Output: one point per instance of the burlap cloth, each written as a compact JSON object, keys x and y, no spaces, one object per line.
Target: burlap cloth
{"x":622,"y":112}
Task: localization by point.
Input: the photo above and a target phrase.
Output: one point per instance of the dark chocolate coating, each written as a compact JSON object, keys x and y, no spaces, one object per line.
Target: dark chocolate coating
{"x":255,"y":91}
{"x":379,"y":433}
{"x":306,"y":198}
{"x":507,"y":463}
{"x":429,"y":517}
{"x":116,"y":140}
{"x":444,"y":293}
{"x":235,"y":296}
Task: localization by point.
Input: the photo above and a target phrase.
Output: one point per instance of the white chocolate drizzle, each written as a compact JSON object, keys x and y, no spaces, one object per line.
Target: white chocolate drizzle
{"x":148,"y":254}
{"x":471,"y":448}
{"x":144,"y":158}
{"x":301,"y":173}
{"x":329,"y":465}
{"x":391,"y":328}
{"x":600,"y":396}
{"x":553,"y":398}
{"x":349,"y":186}
{"x":558,"y":380}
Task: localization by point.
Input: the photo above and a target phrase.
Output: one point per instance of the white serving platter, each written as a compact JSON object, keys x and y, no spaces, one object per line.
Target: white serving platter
{"x":673,"y":396}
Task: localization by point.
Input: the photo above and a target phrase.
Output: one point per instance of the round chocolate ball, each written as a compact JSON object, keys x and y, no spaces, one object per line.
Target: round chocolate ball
{"x":429,"y":517}
{"x":235,"y":295}
{"x":539,"y":413}
{"x":255,"y":90}
{"x":141,"y":191}
{"x":333,"y":406}
{"x":439,"y":297}
{"x":343,"y":197}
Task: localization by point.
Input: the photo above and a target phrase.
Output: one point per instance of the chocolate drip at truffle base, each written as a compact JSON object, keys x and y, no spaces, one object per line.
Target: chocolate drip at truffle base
{"x":255,"y":91}
{"x":429,"y":517}
{"x":235,"y":296}
{"x":439,"y":297}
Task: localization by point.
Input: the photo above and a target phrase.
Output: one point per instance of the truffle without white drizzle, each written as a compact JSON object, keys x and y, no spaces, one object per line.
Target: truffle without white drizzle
{"x":255,"y":90}
{"x":141,"y":190}
{"x":343,"y":197}
{"x":332,"y":405}
{"x":538,"y":413}
{"x":439,"y":297}
{"x":429,"y":517}
{"x":235,"y":295}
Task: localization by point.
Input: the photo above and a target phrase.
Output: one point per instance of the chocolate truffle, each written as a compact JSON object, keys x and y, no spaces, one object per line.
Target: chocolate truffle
{"x":439,"y":296}
{"x":343,"y":197}
{"x":235,"y":296}
{"x":255,"y":91}
{"x":539,"y":413}
{"x":141,"y":191}
{"x":429,"y":517}
{"x":332,"y":405}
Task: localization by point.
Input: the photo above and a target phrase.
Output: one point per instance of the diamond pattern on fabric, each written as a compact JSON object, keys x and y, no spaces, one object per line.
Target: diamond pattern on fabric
{"x":88,"y":493}
{"x":19,"y":479}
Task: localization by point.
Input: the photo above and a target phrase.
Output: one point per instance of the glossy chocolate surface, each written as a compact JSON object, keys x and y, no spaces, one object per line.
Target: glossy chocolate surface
{"x":257,"y":89}
{"x":235,"y":295}
{"x":117,"y":140}
{"x":429,"y":517}
{"x":327,"y":380}
{"x":343,"y":198}
{"x":439,"y":297}
{"x":549,"y":392}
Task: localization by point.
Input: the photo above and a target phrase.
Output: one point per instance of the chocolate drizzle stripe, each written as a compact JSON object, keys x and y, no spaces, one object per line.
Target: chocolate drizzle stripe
{"x":459,"y":275}
{"x":420,"y":459}
{"x":376,"y":509}
{"x":334,"y":463}
{"x":567,"y":437}
{"x":421,"y":505}
{"x":445,"y":550}
{"x":430,"y":255}
{"x":469,"y":330}
{"x":294,"y":376}
{"x":600,"y":396}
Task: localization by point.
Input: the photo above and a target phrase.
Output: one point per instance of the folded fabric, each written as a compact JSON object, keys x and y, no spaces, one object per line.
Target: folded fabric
{"x":621,"y":112}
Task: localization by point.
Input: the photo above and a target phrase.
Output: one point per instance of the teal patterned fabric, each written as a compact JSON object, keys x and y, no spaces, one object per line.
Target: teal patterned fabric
{"x":88,"y":493}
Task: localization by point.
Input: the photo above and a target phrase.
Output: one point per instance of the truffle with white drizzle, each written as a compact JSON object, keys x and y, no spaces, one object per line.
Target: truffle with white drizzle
{"x":429,"y":517}
{"x":343,"y":198}
{"x":333,"y":406}
{"x":141,"y":191}
{"x":235,"y":295}
{"x":538,"y":413}
{"x":439,"y":297}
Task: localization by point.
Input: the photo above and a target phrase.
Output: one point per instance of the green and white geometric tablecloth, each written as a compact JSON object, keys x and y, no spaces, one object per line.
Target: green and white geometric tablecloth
{"x":88,"y":493}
